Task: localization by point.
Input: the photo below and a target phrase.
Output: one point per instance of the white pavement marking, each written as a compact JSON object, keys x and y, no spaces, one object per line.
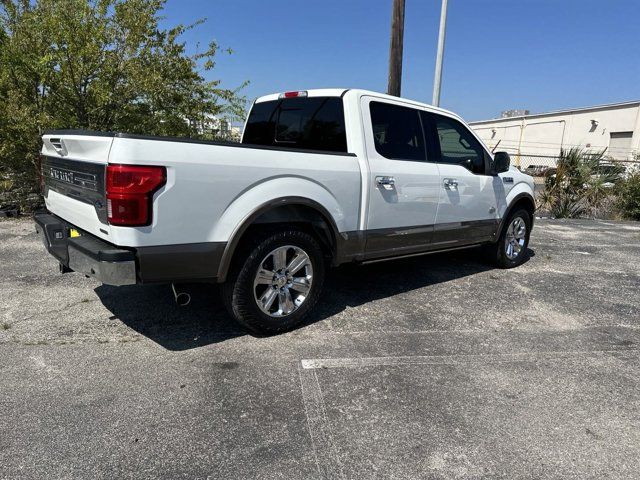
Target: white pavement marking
{"x":324,"y":448}
{"x":320,"y":363}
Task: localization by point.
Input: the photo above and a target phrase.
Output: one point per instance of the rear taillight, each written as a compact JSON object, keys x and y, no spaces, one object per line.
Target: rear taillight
{"x":130,"y":190}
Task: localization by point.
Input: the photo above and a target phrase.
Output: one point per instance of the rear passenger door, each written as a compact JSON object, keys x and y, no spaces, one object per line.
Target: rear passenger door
{"x":403,"y":186}
{"x":467,"y":211}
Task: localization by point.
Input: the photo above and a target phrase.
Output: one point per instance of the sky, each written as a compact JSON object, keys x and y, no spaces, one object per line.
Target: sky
{"x":540,"y":55}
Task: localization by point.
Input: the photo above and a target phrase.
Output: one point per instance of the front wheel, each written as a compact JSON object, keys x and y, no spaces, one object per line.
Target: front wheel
{"x":511,"y":248}
{"x":276,"y":282}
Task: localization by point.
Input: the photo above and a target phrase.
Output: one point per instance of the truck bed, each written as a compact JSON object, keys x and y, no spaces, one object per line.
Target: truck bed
{"x":208,"y":184}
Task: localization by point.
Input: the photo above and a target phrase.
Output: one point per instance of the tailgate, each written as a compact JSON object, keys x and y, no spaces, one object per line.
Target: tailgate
{"x":73,"y":172}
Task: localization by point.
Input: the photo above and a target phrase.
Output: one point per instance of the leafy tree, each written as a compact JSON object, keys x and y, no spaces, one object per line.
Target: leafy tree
{"x":99,"y":65}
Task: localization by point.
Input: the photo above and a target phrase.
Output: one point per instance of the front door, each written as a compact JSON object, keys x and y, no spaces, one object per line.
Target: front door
{"x":403,"y":184}
{"x":469,"y":194}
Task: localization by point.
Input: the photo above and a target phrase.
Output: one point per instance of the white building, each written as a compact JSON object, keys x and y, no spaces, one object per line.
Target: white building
{"x":536,"y":139}
{"x":220,"y":128}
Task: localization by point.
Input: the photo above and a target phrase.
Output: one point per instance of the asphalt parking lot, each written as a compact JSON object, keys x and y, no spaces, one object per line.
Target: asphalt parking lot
{"x":433,"y":367}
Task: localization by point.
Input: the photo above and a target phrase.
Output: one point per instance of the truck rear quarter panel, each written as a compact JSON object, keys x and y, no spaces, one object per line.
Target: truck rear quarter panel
{"x":212,"y":189}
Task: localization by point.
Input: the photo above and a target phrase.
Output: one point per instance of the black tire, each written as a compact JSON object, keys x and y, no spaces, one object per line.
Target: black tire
{"x":238,"y":290}
{"x":497,"y":251}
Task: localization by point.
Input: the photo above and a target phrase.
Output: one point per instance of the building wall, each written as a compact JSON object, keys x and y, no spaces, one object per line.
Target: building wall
{"x":537,"y":139}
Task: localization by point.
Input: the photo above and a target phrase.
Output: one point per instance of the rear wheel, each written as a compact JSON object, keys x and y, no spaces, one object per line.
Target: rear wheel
{"x":276,"y":281}
{"x":511,"y":248}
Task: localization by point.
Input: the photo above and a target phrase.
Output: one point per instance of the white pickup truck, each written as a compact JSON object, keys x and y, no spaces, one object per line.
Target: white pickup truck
{"x":321,"y":178}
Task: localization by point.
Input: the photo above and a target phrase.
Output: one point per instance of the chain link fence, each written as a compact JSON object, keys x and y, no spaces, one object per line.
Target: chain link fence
{"x":541,"y":166}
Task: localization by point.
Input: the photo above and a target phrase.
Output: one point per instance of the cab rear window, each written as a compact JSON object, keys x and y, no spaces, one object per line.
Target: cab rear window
{"x":315,"y":123}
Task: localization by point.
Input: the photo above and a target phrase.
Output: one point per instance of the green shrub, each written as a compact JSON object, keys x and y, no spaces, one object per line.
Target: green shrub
{"x":580,"y":184}
{"x":629,"y":197}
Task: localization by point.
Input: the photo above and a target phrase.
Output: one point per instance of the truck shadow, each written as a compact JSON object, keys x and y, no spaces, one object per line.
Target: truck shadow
{"x":151,"y":310}
{"x":355,"y":285}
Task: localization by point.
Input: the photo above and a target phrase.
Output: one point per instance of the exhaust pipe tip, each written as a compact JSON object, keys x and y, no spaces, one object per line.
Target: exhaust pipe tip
{"x":182,"y":298}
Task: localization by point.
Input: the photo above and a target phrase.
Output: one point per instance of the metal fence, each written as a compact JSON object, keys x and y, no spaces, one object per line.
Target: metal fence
{"x":542,"y":165}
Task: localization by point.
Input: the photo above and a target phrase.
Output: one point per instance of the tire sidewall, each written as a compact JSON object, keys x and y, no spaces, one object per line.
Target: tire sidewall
{"x":242,"y":301}
{"x":502,"y":258}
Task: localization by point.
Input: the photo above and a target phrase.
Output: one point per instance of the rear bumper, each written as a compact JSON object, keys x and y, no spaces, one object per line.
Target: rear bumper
{"x":86,"y":254}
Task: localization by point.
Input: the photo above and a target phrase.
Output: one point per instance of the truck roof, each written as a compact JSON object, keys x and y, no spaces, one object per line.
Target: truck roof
{"x":338,"y":92}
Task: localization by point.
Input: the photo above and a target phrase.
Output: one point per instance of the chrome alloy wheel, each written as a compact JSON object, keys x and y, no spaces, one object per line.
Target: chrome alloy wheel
{"x":515,"y":238}
{"x":283,"y":281}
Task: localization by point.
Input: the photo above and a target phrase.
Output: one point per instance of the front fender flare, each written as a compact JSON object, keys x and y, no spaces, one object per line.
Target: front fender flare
{"x":512,"y":199}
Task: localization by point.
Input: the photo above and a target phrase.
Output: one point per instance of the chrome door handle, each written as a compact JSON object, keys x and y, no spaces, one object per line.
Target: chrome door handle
{"x":386,"y":182}
{"x":451,"y":184}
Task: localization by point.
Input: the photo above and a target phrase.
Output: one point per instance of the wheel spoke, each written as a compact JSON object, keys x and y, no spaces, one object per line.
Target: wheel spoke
{"x":300,"y":284}
{"x":280,"y":258}
{"x":268,"y":297}
{"x":515,"y":238}
{"x":278,"y":290}
{"x":264,"y":277}
{"x":299,"y":261}
{"x":285,"y":301}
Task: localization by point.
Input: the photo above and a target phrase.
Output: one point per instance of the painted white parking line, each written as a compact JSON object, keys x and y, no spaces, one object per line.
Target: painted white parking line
{"x":322,"y":439}
{"x":324,"y":448}
{"x":322,"y":363}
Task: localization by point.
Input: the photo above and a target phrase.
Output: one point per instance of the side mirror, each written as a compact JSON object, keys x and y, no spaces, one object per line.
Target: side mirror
{"x":501,"y":162}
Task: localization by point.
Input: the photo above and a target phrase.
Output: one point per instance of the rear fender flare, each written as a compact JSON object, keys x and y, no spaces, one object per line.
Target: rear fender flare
{"x":245,"y":209}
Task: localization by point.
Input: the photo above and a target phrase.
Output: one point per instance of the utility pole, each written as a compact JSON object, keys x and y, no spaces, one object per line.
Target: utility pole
{"x":438,"y":75}
{"x":395,"y":48}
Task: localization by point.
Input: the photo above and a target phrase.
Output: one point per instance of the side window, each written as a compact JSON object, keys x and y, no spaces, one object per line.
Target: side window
{"x":397,"y":132}
{"x":458,"y":146}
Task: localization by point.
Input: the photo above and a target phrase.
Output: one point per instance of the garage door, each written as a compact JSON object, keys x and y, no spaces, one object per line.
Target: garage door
{"x":620,"y":145}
